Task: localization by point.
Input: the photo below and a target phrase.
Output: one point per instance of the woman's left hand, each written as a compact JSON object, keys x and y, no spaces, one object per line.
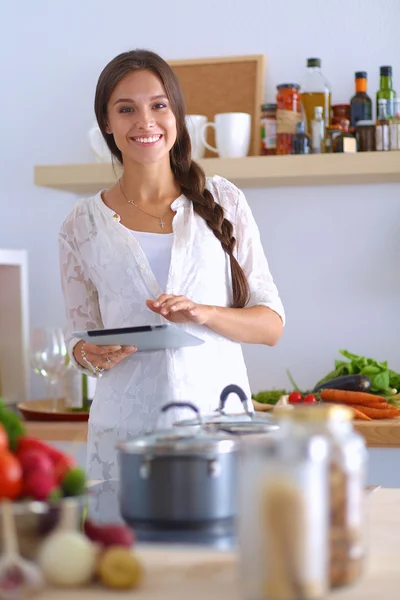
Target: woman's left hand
{"x":179,"y":309}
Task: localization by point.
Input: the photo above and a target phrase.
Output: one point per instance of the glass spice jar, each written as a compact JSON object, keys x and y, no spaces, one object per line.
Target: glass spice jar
{"x":340,"y":112}
{"x":268,"y":129}
{"x":347,"y":464}
{"x":288,"y":114}
{"x":331,"y":132}
{"x":365,"y":135}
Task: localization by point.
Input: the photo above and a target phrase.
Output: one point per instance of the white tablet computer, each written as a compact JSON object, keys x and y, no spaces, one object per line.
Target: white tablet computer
{"x":145,"y":337}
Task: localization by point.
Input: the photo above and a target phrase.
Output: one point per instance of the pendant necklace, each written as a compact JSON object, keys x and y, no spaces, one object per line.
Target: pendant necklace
{"x":160,"y":219}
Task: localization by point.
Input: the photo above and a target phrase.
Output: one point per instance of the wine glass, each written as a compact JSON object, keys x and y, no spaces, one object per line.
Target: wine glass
{"x":49,"y":357}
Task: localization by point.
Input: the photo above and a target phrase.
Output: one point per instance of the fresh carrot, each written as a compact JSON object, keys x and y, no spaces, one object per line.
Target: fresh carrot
{"x":359,"y":415}
{"x":378,"y":413}
{"x":347,"y":397}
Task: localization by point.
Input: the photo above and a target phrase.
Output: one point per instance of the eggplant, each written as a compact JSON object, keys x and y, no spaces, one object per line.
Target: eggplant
{"x":352,"y":383}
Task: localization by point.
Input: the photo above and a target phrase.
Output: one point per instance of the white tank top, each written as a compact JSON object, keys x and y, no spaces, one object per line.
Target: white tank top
{"x":157,"y":248}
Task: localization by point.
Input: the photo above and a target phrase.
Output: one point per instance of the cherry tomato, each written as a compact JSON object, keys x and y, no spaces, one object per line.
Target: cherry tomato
{"x":310,"y":399}
{"x":3,"y":439}
{"x":10,"y":476}
{"x":295,"y":398}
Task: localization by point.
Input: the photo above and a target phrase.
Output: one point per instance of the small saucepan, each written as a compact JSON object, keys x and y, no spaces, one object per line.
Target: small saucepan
{"x":178,"y":478}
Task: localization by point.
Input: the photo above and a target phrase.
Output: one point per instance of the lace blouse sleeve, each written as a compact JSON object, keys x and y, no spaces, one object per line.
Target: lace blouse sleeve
{"x":80,"y":296}
{"x":252,"y":259}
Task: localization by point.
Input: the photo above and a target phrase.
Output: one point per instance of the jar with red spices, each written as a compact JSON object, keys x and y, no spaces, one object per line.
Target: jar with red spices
{"x":288,"y":114}
{"x":340,"y":112}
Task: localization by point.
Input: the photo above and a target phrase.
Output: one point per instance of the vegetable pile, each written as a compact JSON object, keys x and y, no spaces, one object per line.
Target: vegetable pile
{"x":383,"y":380}
{"x":370,"y":387}
{"x":32,"y":469}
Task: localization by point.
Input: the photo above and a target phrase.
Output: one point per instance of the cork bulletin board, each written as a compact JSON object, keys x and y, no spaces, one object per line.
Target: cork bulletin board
{"x":227,"y":84}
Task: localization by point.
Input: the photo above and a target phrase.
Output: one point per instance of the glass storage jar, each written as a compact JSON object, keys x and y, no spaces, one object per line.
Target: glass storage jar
{"x":339,"y":112}
{"x":283,"y":517}
{"x":365,"y":136}
{"x":288,"y":113}
{"x":268,"y":129}
{"x":347,"y":468}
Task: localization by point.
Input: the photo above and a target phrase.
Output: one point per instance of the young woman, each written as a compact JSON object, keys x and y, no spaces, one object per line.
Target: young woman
{"x":163,"y":244}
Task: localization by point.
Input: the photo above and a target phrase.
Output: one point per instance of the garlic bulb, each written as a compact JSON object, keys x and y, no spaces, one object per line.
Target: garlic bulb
{"x":68,"y":559}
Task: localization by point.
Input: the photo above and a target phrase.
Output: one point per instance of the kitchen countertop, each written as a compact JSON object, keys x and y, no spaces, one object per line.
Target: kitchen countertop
{"x":384,"y":433}
{"x":176,"y":573}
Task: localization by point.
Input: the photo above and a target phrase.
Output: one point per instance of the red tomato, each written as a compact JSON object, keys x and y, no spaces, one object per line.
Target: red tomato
{"x":3,"y":439}
{"x":295,"y":398}
{"x":10,"y":476}
{"x":310,"y":399}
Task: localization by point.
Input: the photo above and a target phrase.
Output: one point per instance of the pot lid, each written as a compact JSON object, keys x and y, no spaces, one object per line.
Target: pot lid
{"x":242,"y":428}
{"x":246,"y":421}
{"x":176,"y":441}
{"x":167,"y":442}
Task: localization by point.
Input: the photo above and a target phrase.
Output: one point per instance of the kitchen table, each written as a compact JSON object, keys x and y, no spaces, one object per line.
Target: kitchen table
{"x":384,"y":433}
{"x":179,"y":573}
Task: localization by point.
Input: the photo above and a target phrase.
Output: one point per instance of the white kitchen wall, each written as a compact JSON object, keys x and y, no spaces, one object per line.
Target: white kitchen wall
{"x":334,"y":251}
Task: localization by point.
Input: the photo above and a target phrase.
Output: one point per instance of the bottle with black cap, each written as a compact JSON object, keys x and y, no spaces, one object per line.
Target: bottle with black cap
{"x":315,"y":91}
{"x":386,"y":92}
{"x":361,"y":103}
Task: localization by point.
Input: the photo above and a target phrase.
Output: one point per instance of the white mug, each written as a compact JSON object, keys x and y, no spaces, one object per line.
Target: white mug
{"x":194,"y":124}
{"x":98,"y":145}
{"x":232,"y":134}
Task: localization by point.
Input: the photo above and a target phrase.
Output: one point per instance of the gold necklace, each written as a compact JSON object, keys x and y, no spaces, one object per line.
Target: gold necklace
{"x":160,"y":219}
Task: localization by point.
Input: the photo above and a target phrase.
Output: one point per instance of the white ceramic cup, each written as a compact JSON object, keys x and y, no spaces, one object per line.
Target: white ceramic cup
{"x":232,"y":134}
{"x":194,"y":124}
{"x":98,"y":145}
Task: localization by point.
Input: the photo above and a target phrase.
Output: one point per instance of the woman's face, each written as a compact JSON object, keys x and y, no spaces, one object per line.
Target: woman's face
{"x":141,"y":119}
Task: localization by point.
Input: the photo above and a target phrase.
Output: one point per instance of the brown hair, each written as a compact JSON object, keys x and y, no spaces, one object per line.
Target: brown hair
{"x":187,"y":172}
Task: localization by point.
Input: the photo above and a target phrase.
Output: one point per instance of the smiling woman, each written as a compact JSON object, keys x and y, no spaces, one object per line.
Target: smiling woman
{"x":163,"y":244}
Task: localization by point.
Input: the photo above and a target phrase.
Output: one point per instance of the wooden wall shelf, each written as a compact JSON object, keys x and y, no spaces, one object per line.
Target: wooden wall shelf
{"x":249,"y":172}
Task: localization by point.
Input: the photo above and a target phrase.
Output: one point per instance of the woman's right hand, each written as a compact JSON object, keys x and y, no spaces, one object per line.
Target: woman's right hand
{"x":100,"y":357}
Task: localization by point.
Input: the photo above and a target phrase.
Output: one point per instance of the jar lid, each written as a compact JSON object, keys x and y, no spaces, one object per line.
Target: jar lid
{"x":293,"y":86}
{"x":340,"y":106}
{"x":268,"y":106}
{"x":313,"y":62}
{"x":298,"y":447}
{"x":365,"y":123}
{"x":317,"y":414}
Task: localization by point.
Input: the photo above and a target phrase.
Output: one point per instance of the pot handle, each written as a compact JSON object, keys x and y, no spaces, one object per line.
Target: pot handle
{"x":178,"y":404}
{"x":233,"y":389}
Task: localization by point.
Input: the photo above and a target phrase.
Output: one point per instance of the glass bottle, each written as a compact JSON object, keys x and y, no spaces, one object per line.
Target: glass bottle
{"x":345,"y":141}
{"x":382,"y":127}
{"x":315,"y":91}
{"x":301,"y":141}
{"x":361,"y":103}
{"x":386,"y":91}
{"x":317,"y":131}
{"x":395,"y":127}
{"x":284,"y":536}
{"x":347,"y":464}
{"x":72,"y":387}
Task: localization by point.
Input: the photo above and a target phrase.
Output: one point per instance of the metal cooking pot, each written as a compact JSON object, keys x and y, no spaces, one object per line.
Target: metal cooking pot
{"x":246,"y":422}
{"x":175,"y":479}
